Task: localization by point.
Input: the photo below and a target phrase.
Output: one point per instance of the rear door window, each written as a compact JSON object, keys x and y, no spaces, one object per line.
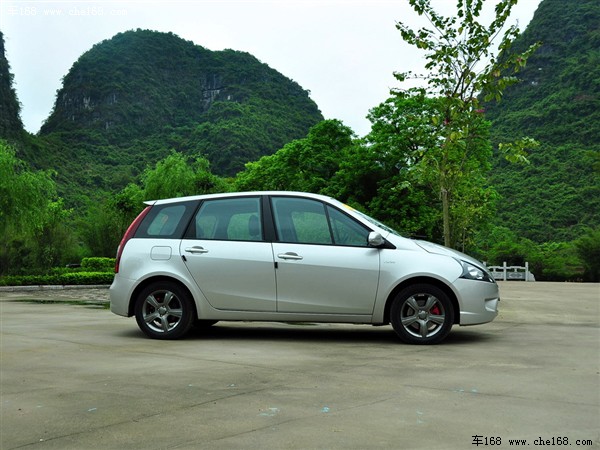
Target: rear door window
{"x":232,"y":219}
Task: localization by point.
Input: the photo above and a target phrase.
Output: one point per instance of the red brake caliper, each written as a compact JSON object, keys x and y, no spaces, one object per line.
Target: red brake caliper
{"x":435,"y":310}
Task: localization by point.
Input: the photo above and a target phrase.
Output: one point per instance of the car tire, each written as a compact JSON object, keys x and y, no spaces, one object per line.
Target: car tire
{"x":422,"y":314}
{"x":164,"y":310}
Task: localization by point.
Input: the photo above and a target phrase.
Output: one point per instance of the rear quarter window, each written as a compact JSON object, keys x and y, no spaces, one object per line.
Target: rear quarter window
{"x":167,"y":221}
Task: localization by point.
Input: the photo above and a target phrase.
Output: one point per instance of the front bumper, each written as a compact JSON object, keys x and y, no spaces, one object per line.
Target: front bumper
{"x":478,"y":301}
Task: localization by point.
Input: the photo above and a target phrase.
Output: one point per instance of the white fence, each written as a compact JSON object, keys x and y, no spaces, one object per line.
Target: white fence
{"x":507,"y":273}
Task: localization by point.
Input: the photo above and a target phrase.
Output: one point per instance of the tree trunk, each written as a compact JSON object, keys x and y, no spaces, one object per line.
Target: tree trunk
{"x":446,"y":217}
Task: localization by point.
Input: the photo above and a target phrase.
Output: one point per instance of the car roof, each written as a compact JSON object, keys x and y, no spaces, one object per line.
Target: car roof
{"x":238,"y":194}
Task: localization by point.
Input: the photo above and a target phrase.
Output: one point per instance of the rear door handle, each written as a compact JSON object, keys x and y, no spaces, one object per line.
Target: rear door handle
{"x":290,"y":255}
{"x":196,"y":249}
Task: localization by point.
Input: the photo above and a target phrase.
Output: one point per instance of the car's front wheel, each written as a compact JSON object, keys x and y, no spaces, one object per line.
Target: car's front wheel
{"x":422,"y":314}
{"x":164,"y":310}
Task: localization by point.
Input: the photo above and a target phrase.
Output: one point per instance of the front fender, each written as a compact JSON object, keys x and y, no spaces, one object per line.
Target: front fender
{"x":400,"y":268}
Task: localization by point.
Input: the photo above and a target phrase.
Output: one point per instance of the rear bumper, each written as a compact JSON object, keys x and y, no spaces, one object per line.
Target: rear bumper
{"x":120,"y":293}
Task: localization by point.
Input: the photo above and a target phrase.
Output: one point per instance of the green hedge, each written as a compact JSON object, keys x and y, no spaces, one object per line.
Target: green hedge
{"x":91,"y":271}
{"x":98,"y":264}
{"x":77,"y":278}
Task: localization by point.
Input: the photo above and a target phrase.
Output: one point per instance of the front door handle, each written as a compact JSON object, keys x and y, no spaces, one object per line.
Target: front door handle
{"x":196,"y":249}
{"x":290,"y":255}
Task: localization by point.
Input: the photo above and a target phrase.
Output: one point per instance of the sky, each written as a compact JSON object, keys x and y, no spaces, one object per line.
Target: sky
{"x":343,"y":51}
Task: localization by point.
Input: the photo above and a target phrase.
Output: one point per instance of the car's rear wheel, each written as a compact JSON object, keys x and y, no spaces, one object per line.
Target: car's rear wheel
{"x":422,"y":314}
{"x":164,"y":310}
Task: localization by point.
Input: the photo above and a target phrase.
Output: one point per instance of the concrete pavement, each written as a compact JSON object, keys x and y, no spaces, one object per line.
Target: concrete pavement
{"x":75,"y":376}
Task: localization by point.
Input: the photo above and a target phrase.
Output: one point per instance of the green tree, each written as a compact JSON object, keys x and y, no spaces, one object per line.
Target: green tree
{"x":405,"y":133}
{"x":401,"y":130}
{"x":176,"y":176}
{"x":454,"y":48}
{"x":502,"y":245}
{"x":306,"y":164}
{"x":357,"y":180}
{"x":37,"y":228}
{"x":57,"y":241}
{"x":106,"y":220}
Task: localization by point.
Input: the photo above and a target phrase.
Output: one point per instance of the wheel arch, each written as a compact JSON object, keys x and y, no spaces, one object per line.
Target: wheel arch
{"x":148,"y":281}
{"x":421,"y":280}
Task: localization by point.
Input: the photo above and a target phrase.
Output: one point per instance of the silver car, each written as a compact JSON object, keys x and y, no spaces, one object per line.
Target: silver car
{"x":290,"y":257}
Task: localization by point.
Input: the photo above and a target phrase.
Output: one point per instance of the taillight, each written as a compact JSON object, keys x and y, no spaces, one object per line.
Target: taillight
{"x":129,"y":234}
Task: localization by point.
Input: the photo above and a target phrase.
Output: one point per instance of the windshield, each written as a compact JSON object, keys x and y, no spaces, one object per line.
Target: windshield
{"x":378,"y":223}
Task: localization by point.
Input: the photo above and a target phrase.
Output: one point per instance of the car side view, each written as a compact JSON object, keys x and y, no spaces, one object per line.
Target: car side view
{"x":290,"y":257}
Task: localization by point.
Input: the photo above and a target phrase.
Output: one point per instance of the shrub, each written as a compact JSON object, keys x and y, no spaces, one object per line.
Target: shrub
{"x":556,"y":261}
{"x":588,"y":249}
{"x":549,"y":261}
{"x":74,"y":278}
{"x":98,"y":264}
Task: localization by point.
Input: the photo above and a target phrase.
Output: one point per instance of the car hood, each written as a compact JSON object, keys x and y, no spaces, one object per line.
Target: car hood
{"x":441,"y":250}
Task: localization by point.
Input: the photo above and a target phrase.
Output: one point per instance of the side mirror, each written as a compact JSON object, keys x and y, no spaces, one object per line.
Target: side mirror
{"x":375,"y":239}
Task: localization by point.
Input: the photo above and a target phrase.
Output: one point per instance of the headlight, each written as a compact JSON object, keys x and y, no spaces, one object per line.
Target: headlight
{"x":472,"y":272}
